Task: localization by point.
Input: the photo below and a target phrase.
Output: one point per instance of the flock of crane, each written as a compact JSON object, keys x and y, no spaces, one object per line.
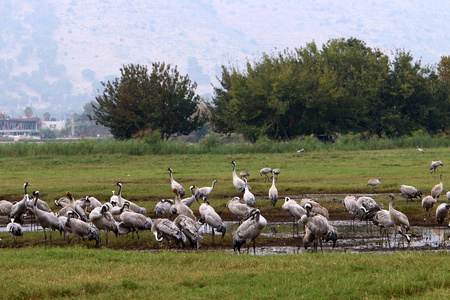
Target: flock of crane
{"x":85,"y":218}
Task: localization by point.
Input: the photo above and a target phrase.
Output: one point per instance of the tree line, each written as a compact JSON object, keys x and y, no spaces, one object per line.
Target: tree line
{"x":343,"y":87}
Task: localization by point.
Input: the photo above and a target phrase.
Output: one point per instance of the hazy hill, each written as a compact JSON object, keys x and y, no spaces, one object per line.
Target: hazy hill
{"x":54,"y":53}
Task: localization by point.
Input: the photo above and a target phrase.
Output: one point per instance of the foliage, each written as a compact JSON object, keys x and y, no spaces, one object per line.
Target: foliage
{"x":444,"y":69}
{"x":47,"y":133}
{"x":343,"y":87}
{"x":136,"y":101}
{"x":28,"y":112}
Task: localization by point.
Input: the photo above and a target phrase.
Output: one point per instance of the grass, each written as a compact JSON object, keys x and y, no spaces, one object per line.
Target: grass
{"x":146,"y":180}
{"x":83,"y":273}
{"x":38,"y":272}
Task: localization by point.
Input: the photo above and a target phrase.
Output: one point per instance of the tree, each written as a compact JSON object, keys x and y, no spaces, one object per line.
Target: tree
{"x":28,"y":112}
{"x":301,"y":92}
{"x":47,"y":116}
{"x":137,"y":101}
{"x":444,"y":69}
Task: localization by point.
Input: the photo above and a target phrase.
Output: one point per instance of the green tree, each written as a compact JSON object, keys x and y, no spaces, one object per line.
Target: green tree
{"x":301,"y":92}
{"x":138,"y":101}
{"x":47,"y":116}
{"x":444,"y":68}
{"x":28,"y":112}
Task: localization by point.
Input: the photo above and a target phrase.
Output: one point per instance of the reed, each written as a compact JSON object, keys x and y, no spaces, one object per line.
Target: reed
{"x":212,"y":144}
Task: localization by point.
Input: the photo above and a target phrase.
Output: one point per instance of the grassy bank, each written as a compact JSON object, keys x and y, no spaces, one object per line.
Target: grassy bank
{"x":212,"y":144}
{"x":37,"y":273}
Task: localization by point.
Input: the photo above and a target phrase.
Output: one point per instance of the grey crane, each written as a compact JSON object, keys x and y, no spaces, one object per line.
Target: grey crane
{"x":265,"y":171}
{"x":434,"y":165}
{"x":238,"y":183}
{"x":295,"y":210}
{"x":209,"y":216}
{"x":366,"y":208}
{"x":81,"y":229}
{"x":319,"y":227}
{"x":420,"y":150}
{"x":5,"y":207}
{"x":382,"y":219}
{"x":71,"y":205}
{"x":427,"y":204}
{"x":204,"y":191}
{"x":180,"y":208}
{"x":273,"y":192}
{"x":166,"y":230}
{"x":115,"y":210}
{"x":15,"y":229}
{"x":317,"y":208}
{"x":132,"y":221}
{"x":350,"y":205}
{"x":162,"y":208}
{"x":103,"y":220}
{"x":133,"y":207}
{"x":276,"y":171}
{"x":190,"y":230}
{"x":409,"y":192}
{"x":19,"y":208}
{"x":309,"y":238}
{"x":189,"y":200}
{"x":448,"y":195}
{"x":442,"y":213}
{"x":175,"y":184}
{"x":299,"y":152}
{"x":41,"y":204}
{"x":88,"y":203}
{"x":249,"y":230}
{"x":437,"y":190}
{"x":374,"y":182}
{"x":113,"y":197}
{"x":47,"y":220}
{"x":244,"y":174}
{"x":400,"y":220}
{"x":239,"y":208}
{"x":248,"y":196}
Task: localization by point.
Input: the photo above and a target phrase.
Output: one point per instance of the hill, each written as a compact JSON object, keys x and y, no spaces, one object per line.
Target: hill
{"x":54,"y":54}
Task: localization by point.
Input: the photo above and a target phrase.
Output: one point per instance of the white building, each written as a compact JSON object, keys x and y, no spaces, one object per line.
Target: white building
{"x":54,"y":125}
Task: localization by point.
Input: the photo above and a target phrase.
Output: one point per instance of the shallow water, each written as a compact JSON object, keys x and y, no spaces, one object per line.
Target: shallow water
{"x":360,"y":238}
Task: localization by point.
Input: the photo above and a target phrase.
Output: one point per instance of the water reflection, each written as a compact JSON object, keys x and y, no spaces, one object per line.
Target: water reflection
{"x":360,"y":238}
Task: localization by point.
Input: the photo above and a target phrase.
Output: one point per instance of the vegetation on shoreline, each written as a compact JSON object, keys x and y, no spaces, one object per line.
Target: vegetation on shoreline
{"x":214,"y":144}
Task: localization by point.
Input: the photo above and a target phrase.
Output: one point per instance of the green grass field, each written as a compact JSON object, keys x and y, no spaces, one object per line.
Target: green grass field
{"x":77,"y":273}
{"x":38,"y":272}
{"x":145,"y":177}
